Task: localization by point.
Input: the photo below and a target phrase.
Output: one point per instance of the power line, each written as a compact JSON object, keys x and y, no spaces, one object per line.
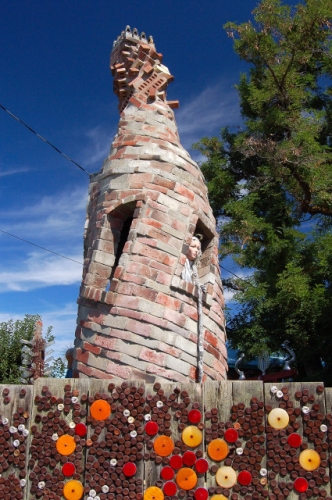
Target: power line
{"x":43,"y":139}
{"x":43,"y":248}
{"x":231,"y":272}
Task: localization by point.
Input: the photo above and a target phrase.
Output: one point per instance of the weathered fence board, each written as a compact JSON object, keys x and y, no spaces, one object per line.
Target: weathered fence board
{"x":90,"y":438}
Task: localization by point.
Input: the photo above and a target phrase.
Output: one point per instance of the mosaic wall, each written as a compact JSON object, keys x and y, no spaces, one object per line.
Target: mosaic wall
{"x":98,"y":440}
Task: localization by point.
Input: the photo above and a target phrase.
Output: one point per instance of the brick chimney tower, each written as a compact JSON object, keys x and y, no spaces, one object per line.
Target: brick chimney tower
{"x":137,"y":317}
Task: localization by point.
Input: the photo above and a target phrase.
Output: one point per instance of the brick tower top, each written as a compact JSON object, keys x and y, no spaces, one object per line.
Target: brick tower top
{"x":137,"y":69}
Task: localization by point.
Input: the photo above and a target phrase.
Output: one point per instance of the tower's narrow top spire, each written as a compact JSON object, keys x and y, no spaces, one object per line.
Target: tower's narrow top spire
{"x":137,"y":69}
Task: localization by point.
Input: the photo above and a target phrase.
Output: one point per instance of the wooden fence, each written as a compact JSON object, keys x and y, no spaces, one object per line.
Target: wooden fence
{"x":96,"y":439}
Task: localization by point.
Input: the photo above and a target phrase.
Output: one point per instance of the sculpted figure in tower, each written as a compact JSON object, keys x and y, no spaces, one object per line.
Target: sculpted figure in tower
{"x":190,"y":273}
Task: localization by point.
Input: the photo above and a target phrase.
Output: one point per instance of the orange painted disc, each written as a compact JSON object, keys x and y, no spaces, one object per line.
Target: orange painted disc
{"x":153,"y":493}
{"x":309,"y":460}
{"x":217,"y":449}
{"x":192,"y":436}
{"x":226,"y":477}
{"x":100,"y":409}
{"x":186,"y":479}
{"x":66,"y":444}
{"x":73,"y":490}
{"x":163,"y":446}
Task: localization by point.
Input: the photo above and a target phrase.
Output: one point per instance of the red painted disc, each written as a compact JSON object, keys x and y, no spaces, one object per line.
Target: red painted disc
{"x":201,"y":494}
{"x":167,"y":473}
{"x":81,"y":429}
{"x":202,"y":466}
{"x":129,"y":469}
{"x":300,"y":484}
{"x":189,"y":458}
{"x":176,"y":462}
{"x":170,"y":489}
{"x":151,"y":428}
{"x":231,"y":435}
{"x":294,"y":440}
{"x":244,"y":478}
{"x":194,"y":416}
{"x":68,"y":469}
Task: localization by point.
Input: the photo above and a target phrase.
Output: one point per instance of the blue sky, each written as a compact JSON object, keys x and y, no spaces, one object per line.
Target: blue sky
{"x":56,"y":78}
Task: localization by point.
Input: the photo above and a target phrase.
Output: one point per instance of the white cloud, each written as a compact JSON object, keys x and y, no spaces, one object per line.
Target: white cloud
{"x":63,"y":322}
{"x":40,"y":270}
{"x":98,"y":148}
{"x":216,"y":107}
{"x":14,"y":171}
{"x":59,"y":218}
{"x":228,"y":296}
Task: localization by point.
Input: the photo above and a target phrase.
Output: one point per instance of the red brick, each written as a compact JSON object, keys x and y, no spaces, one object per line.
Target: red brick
{"x":161,"y":181}
{"x":212,"y":351}
{"x":168,"y":301}
{"x":157,"y":358}
{"x":127,"y":302}
{"x":115,"y":356}
{"x":139,"y":327}
{"x":175,"y":317}
{"x":219,"y":367}
{"x":128,"y":313}
{"x":154,"y":320}
{"x":133,"y":278}
{"x":164,"y":278}
{"x":109,"y":343}
{"x":168,"y":374}
{"x":173,"y":351}
{"x":135,"y":102}
{"x":118,"y":370}
{"x":96,"y":317}
{"x":190,"y":311}
{"x":193,"y":373}
{"x":151,"y":222}
{"x":212,"y":339}
{"x":89,"y":347}
{"x":140,"y":180}
{"x":81,"y":356}
{"x":184,"y":192}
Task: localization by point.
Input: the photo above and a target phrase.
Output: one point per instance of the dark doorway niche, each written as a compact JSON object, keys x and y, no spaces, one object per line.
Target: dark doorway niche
{"x":120,"y":223}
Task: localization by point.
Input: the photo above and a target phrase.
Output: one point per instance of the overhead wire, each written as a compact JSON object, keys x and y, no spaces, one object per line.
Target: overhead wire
{"x":38,"y":246}
{"x":43,"y":139}
{"x":231,"y":272}
{"x":80,"y":167}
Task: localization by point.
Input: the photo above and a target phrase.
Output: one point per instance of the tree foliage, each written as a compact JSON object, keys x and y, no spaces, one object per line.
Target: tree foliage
{"x":11,"y":333}
{"x":270,"y":182}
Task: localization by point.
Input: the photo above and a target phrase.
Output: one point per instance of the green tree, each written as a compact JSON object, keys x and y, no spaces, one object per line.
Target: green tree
{"x":11,"y":333}
{"x":270,"y":182}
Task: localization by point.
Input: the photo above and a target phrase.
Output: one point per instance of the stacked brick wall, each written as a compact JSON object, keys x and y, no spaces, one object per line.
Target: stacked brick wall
{"x":137,"y":318}
{"x":114,"y":440}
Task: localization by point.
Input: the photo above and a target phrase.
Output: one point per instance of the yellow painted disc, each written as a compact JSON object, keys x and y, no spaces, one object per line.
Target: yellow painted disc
{"x":153,"y":493}
{"x":192,"y":436}
{"x":309,"y":460}
{"x":278,"y":418}
{"x":73,"y":490}
{"x":226,"y":477}
{"x":66,"y":445}
{"x":219,"y":497}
